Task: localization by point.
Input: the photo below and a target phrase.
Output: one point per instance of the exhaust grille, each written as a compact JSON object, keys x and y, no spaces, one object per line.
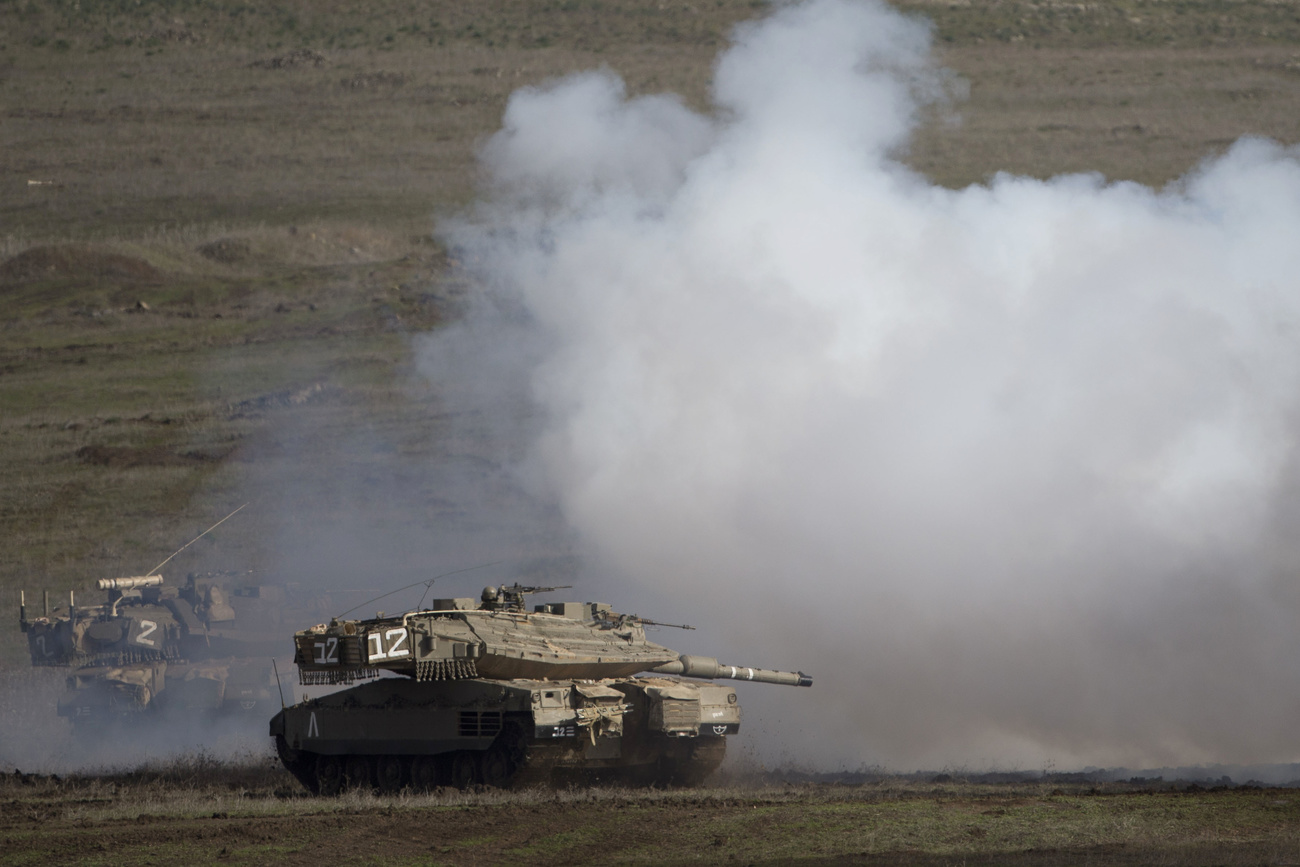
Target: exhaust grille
{"x":480,"y":724}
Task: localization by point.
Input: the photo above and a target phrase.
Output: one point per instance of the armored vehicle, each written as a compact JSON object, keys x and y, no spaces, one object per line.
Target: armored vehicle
{"x":203,"y":647}
{"x":491,"y":693}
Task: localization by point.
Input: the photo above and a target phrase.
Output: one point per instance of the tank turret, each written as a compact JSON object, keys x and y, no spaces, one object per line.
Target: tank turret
{"x":79,"y":635}
{"x":491,"y":692}
{"x":499,"y":639}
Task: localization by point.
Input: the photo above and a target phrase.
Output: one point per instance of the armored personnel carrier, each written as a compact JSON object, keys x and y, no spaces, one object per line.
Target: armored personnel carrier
{"x":203,"y":647}
{"x":492,"y":693}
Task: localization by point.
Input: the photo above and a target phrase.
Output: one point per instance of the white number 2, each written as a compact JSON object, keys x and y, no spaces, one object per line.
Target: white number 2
{"x":147,"y":628}
{"x":400,"y":635}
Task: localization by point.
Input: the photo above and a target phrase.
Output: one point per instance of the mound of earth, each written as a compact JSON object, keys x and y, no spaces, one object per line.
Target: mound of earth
{"x":70,"y":262}
{"x":226,"y":250}
{"x":149,"y":456}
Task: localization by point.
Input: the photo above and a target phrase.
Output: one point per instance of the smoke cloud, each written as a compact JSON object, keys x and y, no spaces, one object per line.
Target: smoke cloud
{"x":1011,"y":469}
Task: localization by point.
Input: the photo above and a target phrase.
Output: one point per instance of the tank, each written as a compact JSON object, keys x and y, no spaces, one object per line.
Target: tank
{"x":490,"y":693}
{"x":204,"y":647}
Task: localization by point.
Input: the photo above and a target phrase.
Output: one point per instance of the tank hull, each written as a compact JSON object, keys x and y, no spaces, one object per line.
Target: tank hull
{"x":97,"y":695}
{"x":395,"y":733}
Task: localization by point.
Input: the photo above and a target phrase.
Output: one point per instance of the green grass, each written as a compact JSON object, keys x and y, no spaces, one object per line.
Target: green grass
{"x":555,"y":845}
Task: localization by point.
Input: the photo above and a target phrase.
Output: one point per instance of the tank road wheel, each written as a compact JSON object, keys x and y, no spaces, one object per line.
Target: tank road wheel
{"x":359,"y":772}
{"x":425,"y":775}
{"x":329,"y":775}
{"x":464,"y":769}
{"x":503,"y":760}
{"x":391,"y":774}
{"x":495,"y":767}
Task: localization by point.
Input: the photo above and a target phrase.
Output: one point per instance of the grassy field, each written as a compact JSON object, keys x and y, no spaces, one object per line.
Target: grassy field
{"x":265,"y":178}
{"x":166,"y":115}
{"x":200,"y":813}
{"x":216,"y":249}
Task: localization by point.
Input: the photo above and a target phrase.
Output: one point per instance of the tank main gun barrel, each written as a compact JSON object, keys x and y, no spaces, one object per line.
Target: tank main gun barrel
{"x":709,"y":668}
{"x":129,"y":583}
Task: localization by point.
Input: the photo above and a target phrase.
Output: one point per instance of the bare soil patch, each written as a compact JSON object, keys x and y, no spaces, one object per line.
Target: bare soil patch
{"x":76,"y":263}
{"x":124,"y":457}
{"x":226,"y":250}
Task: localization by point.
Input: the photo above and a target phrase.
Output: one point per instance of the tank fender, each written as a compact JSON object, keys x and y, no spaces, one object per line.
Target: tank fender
{"x":688,"y":709}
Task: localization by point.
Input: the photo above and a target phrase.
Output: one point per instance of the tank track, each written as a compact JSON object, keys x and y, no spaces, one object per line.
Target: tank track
{"x":514,"y":761}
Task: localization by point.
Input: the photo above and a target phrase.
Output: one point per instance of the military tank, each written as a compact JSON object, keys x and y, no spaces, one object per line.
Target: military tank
{"x":486,"y":692}
{"x":204,"y":647}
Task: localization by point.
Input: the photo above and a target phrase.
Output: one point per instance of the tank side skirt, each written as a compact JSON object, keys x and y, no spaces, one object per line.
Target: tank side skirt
{"x":391,"y":747}
{"x":519,"y":733}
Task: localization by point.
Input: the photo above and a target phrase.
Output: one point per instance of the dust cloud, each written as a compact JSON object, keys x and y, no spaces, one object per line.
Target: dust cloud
{"x":37,"y":741}
{"x":1010,"y":469}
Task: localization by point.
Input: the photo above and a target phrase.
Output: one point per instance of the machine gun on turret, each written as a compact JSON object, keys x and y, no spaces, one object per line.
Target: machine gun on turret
{"x":611,"y":620}
{"x":511,"y":598}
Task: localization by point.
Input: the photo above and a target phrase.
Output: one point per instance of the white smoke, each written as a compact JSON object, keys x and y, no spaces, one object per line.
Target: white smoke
{"x":1009,"y":469}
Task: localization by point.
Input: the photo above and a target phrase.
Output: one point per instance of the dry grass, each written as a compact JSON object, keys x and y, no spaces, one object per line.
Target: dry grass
{"x":203,"y":810}
{"x":1141,"y":114}
{"x":235,"y":128}
{"x":140,"y":133}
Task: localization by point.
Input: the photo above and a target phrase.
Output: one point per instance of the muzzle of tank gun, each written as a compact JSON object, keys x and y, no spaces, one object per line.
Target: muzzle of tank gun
{"x":709,"y":668}
{"x":129,"y":583}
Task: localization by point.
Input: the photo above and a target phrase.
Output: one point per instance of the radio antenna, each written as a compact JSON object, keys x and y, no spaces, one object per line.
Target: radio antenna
{"x":428,"y":582}
{"x":155,"y":569}
{"x":277,"y":682}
